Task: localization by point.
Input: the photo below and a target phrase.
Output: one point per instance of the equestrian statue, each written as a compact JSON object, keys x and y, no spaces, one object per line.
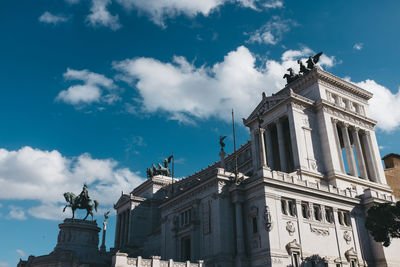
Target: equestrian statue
{"x":82,"y":201}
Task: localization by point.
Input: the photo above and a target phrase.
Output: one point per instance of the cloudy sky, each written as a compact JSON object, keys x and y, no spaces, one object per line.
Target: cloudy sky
{"x":96,"y":91}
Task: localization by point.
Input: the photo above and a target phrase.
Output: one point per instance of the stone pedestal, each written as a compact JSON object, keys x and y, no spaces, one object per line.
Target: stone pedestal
{"x":79,"y":236}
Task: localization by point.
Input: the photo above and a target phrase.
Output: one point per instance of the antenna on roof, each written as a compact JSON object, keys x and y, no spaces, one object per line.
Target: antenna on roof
{"x":235,"y":171}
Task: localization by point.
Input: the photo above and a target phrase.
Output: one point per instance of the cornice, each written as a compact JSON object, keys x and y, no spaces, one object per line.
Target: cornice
{"x":318,"y":73}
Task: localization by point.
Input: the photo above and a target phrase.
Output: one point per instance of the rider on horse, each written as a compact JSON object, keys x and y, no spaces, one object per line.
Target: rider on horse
{"x":83,"y":196}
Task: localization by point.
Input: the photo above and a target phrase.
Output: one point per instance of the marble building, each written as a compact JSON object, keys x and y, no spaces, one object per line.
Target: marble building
{"x":305,"y":180}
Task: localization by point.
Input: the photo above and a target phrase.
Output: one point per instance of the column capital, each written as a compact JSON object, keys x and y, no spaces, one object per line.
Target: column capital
{"x":367,"y":133}
{"x":335,"y":121}
{"x":356,"y":129}
{"x":277,"y":121}
{"x":261,"y":130}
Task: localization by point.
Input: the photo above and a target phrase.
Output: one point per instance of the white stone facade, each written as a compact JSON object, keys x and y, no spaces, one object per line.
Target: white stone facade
{"x":310,"y":171}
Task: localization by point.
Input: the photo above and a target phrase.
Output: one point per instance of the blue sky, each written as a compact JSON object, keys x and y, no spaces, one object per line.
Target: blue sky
{"x":97,"y":91}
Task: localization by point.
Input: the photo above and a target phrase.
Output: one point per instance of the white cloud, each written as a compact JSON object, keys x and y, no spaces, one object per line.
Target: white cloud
{"x":273,"y":4}
{"x":160,"y":10}
{"x":43,"y":176}
{"x":383,"y":102}
{"x":358,"y":46}
{"x":91,"y":89}
{"x":271,"y":32}
{"x":4,"y":264}
{"x":49,"y":18}
{"x":187,"y":92}
{"x":21,"y":252}
{"x":100,"y":16}
{"x":16,"y":212}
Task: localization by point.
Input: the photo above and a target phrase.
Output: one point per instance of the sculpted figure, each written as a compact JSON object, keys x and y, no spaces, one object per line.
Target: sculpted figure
{"x":312,"y":61}
{"x":80,"y":202}
{"x":303,"y":69}
{"x":291,"y":76}
{"x":221,"y":142}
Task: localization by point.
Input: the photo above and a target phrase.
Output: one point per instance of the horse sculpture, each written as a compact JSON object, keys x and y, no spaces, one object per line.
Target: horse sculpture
{"x":76,"y":203}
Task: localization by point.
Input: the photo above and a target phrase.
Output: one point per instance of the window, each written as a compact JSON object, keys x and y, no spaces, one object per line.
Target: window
{"x":305,"y":210}
{"x":288,"y":207}
{"x":317,"y":212}
{"x":185,"y":249}
{"x":353,"y":263}
{"x":185,"y":217}
{"x":329,"y":214}
{"x":292,"y":208}
{"x":255,"y":226}
{"x":347,"y":220}
{"x":344,"y":218}
{"x":296,"y":259}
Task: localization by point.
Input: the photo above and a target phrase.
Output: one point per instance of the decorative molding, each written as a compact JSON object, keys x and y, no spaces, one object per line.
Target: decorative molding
{"x":349,"y":117}
{"x":351,"y":254}
{"x":347,"y":237}
{"x":319,"y":231}
{"x":290,"y":228}
{"x":293,"y":247}
{"x":268,"y":224}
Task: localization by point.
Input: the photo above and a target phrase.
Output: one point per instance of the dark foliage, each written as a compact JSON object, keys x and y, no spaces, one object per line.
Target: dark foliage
{"x":383,"y":222}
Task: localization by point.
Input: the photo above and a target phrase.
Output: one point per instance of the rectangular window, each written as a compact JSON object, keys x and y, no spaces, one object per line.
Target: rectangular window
{"x":296,"y":259}
{"x":317,"y":212}
{"x":185,"y":217}
{"x":305,"y":210}
{"x":255,"y":227}
{"x":329,"y":214}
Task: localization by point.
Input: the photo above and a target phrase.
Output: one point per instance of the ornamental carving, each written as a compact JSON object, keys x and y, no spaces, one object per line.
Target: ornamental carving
{"x":267,"y":219}
{"x":347,"y":237}
{"x":290,"y":227}
{"x":319,"y":231}
{"x":347,"y":117}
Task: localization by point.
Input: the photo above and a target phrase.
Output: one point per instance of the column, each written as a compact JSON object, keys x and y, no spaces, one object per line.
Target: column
{"x":121,"y":231}
{"x":117,"y":231}
{"x":360,"y":157}
{"x":349,"y":151}
{"x":270,"y":155}
{"x":370,"y":157}
{"x":281,"y":143}
{"x":262,"y":148}
{"x":126,"y":227}
{"x":338,"y":146}
{"x":239,"y":228}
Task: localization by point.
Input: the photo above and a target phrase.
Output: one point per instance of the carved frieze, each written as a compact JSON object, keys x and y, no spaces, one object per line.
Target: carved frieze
{"x":319,"y":231}
{"x":348,"y":117}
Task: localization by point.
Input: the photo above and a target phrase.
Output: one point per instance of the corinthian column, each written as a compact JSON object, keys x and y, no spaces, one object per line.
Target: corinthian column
{"x":270,"y":155}
{"x":281,"y":143}
{"x":370,"y":157}
{"x":262,"y":148}
{"x":351,"y":162}
{"x":338,"y":146}
{"x":359,"y":153}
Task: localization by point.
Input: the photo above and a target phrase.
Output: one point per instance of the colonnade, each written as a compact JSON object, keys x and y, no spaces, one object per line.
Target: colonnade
{"x":360,"y":140}
{"x":122,"y":229}
{"x":272,"y":141}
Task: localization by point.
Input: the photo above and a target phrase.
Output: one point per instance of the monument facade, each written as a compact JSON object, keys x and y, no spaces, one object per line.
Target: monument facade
{"x":298,"y":198}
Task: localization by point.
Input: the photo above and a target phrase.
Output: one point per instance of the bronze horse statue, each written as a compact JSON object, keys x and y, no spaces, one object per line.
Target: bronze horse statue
{"x":76,"y":203}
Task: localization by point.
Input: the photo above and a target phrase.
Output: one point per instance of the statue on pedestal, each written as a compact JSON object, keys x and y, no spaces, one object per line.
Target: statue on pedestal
{"x":82,"y":201}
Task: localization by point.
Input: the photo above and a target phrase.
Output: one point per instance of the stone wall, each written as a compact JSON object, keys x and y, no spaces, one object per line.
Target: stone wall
{"x":122,"y":260}
{"x":392,"y":173}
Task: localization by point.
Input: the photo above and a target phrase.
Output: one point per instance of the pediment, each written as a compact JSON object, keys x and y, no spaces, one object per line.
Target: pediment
{"x":123,"y":199}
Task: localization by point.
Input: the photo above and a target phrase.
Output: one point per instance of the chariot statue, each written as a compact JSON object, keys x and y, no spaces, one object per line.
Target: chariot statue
{"x":160,"y":169}
{"x":82,"y":201}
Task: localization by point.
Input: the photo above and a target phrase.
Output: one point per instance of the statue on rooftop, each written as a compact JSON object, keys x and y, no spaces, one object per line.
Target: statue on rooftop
{"x":291,"y":76}
{"x":161,"y":169}
{"x":313,"y":60}
{"x":221,"y":142}
{"x":82,"y":201}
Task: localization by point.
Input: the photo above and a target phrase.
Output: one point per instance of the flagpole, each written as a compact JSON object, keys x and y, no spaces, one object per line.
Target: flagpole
{"x":172,"y":175}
